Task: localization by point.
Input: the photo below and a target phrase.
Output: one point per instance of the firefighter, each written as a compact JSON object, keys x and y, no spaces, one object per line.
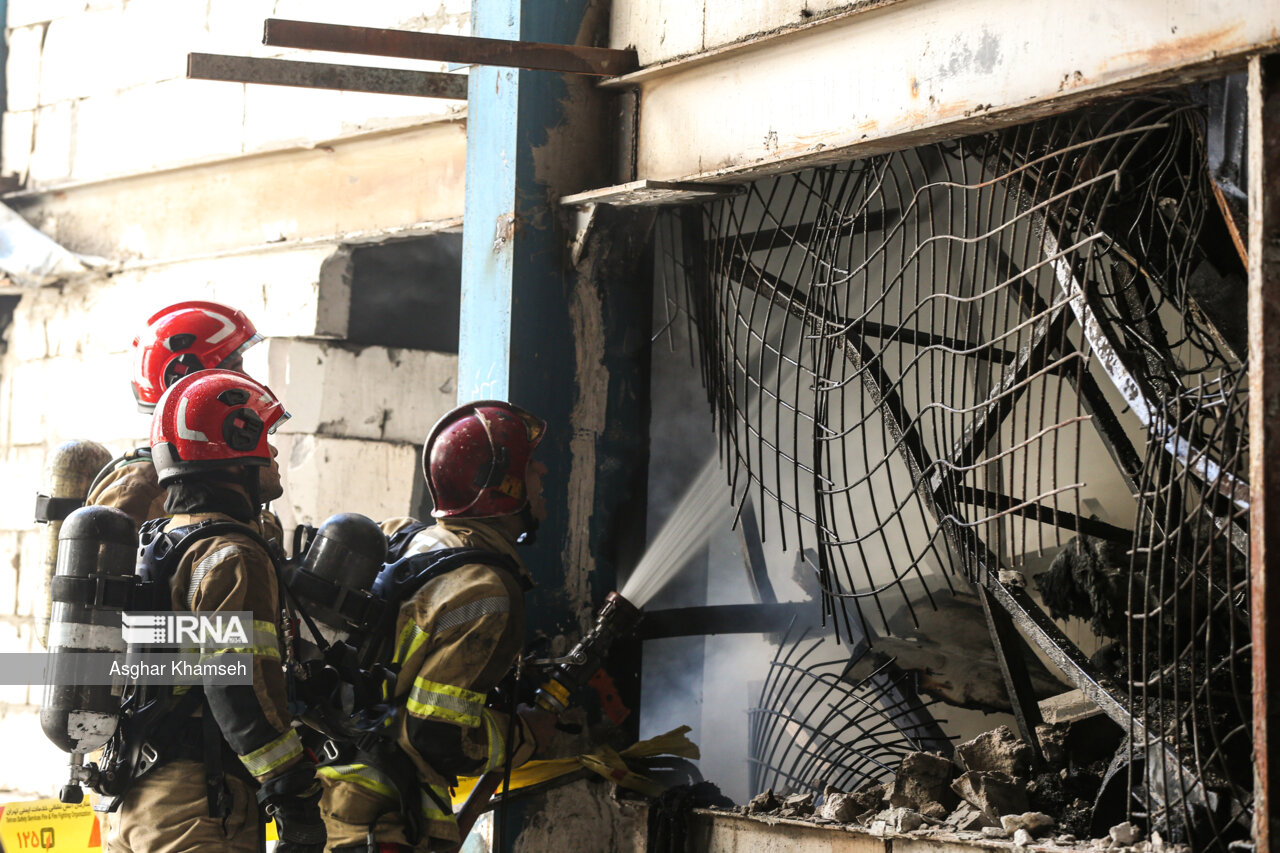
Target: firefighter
{"x":234,"y":751}
{"x":177,"y":341}
{"x":455,"y":639}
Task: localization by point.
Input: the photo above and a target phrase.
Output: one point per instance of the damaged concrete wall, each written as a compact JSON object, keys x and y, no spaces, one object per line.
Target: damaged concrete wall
{"x":248,"y":195}
{"x":664,"y":31}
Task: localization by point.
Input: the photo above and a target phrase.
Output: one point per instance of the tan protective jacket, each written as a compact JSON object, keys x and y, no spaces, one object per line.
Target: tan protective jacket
{"x":454,"y":641}
{"x":229,"y":572}
{"x":133,"y":488}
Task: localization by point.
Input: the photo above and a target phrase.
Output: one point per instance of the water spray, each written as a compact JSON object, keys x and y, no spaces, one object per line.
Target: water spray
{"x":702,"y":510}
{"x":570,"y":673}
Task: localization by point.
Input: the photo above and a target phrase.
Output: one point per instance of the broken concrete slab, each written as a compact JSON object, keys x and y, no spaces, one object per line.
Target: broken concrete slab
{"x":998,"y":750}
{"x":1068,"y":707}
{"x":935,"y":810}
{"x":840,"y":807}
{"x":992,"y":793}
{"x":966,"y":818}
{"x":798,"y":805}
{"x":763,"y":802}
{"x":1033,"y":822}
{"x":899,"y":820}
{"x":954,"y":660}
{"x":1053,"y":740}
{"x":871,"y":796}
{"x":922,"y":778}
{"x":1124,"y":833}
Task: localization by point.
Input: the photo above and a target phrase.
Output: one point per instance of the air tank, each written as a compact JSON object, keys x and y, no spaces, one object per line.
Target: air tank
{"x":334,"y":578}
{"x":95,"y":573}
{"x":68,"y":473}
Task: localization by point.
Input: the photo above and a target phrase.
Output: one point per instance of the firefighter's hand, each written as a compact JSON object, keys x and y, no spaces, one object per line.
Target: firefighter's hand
{"x":293,"y":801}
{"x":542,"y":724}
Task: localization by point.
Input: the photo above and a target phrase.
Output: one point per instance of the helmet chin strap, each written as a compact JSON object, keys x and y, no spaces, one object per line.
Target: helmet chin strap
{"x":253,"y":486}
{"x":530,"y":524}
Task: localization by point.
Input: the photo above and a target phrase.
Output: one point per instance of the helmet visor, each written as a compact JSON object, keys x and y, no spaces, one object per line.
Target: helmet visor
{"x":284,"y":416}
{"x":239,"y":351}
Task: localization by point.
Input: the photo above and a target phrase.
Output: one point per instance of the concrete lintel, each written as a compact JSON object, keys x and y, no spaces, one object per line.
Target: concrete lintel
{"x":725,"y":832}
{"x":906,"y":73}
{"x":365,"y":186}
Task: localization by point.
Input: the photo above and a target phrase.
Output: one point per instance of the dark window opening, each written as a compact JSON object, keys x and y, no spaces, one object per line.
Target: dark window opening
{"x":407,"y":293}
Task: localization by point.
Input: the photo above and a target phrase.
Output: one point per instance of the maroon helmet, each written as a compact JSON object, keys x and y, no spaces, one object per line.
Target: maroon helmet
{"x":476,"y":457}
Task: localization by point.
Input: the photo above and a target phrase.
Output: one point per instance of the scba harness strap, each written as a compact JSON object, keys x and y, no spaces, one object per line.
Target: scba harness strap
{"x":155,"y":730}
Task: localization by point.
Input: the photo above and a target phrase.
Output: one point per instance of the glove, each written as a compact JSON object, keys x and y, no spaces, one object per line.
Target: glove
{"x":293,"y":802}
{"x":542,"y":725}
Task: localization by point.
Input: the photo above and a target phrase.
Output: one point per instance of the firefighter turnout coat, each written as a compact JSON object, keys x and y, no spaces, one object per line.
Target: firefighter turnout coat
{"x":132,"y":487}
{"x":454,"y":641}
{"x":167,"y":810}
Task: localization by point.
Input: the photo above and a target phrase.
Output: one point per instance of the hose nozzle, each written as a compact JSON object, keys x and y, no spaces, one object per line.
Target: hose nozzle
{"x":616,"y":618}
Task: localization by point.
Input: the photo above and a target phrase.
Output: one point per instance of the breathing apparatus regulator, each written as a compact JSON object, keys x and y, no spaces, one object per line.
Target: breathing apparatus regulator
{"x":340,"y":689}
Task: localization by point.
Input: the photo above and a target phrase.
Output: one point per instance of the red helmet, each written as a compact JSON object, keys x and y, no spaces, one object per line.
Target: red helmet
{"x":213,"y":419}
{"x":476,"y":457}
{"x":182,"y":339}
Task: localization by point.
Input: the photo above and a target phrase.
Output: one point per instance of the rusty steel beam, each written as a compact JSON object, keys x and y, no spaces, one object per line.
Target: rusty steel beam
{"x":319,"y":75}
{"x":466,"y":50}
{"x":1264,"y":431}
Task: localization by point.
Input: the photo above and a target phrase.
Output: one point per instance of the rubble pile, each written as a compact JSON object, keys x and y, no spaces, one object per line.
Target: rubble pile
{"x":988,"y":791}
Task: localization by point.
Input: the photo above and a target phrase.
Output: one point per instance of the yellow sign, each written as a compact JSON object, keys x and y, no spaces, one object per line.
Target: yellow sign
{"x":50,"y":825}
{"x":56,"y":826}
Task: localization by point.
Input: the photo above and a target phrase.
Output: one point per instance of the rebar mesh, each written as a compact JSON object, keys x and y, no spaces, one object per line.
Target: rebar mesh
{"x":817,"y":726}
{"x":938,"y":363}
{"x":1188,"y":590}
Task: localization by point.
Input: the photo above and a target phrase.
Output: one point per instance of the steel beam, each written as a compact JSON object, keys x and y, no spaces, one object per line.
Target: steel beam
{"x":1040,"y":512}
{"x":726,"y":619}
{"x":753,"y":553}
{"x":466,"y":50}
{"x":886,"y":77}
{"x":319,"y":75}
{"x":1264,"y":433}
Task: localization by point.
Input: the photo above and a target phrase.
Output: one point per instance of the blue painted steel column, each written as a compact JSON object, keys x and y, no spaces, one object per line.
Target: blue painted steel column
{"x":515,"y":341}
{"x":567,"y":340}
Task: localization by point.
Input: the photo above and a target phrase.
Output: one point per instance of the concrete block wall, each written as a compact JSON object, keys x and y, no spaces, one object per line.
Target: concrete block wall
{"x":96,"y":91}
{"x":97,"y":88}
